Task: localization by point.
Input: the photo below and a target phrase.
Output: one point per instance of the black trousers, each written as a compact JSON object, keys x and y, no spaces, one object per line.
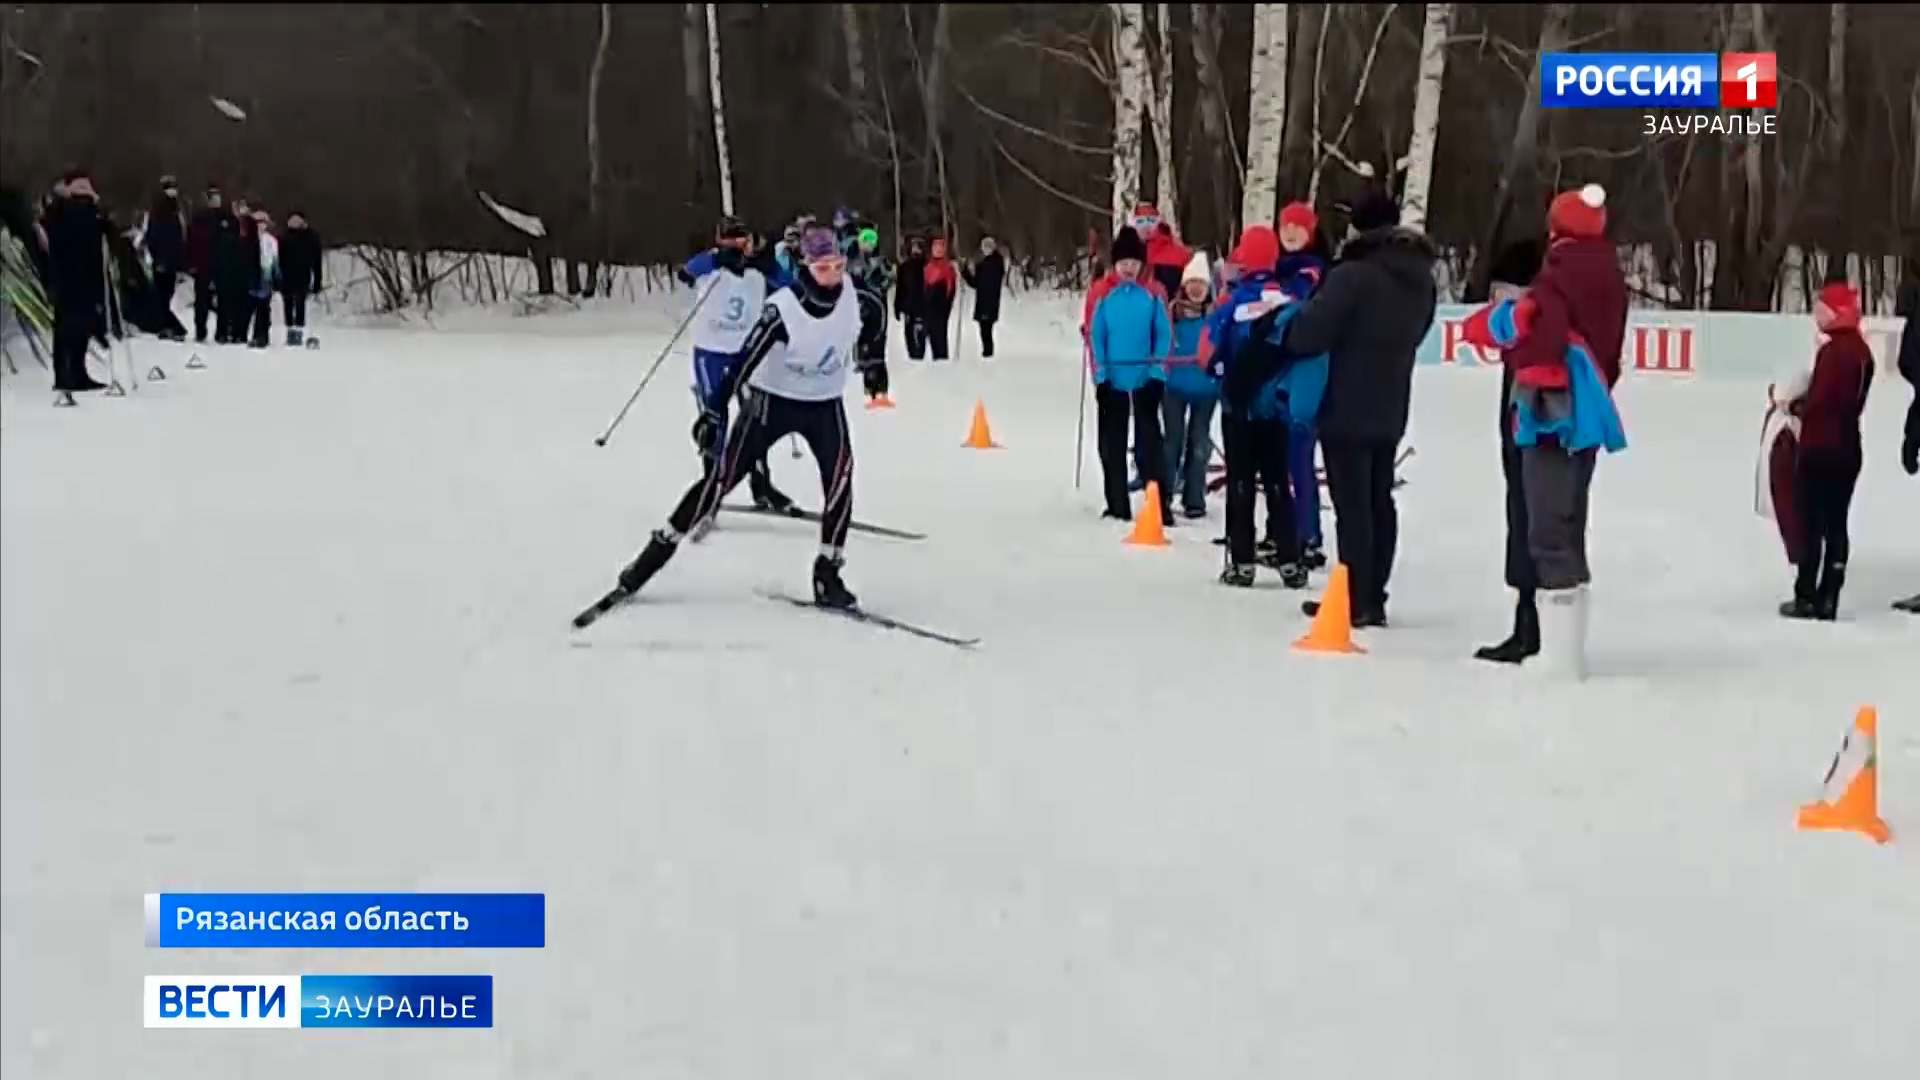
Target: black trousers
{"x":1520,"y":573}
{"x":1823,"y":484}
{"x":873,"y":363}
{"x":986,"y":339}
{"x":765,"y":420}
{"x":1558,"y":486}
{"x":936,"y":334}
{"x":261,"y":316}
{"x":916,"y":338}
{"x":72,"y":330}
{"x":204,"y":302}
{"x":1365,"y":521}
{"x":1112,"y":409}
{"x":1256,"y":452}
{"x":294,"y":306}
{"x":164,"y":284}
{"x":235,"y":312}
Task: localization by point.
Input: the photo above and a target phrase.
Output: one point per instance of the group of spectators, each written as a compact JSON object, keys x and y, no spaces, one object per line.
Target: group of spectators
{"x":101,"y":276}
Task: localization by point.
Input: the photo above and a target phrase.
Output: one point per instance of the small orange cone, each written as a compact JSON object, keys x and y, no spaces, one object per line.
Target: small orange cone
{"x":980,"y":437}
{"x":1858,"y":807}
{"x":1148,"y":529}
{"x":1332,"y":629}
{"x":880,"y":402}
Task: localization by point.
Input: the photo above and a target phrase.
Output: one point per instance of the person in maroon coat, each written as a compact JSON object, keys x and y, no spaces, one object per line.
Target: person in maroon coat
{"x":1828,"y":464}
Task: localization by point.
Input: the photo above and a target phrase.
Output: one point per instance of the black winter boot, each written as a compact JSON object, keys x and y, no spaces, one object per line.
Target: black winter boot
{"x":1293,"y":575}
{"x":1805,"y":603}
{"x":1238,"y":577}
{"x":828,"y":589}
{"x":1524,"y":642}
{"x":1826,"y":602}
{"x":660,"y":547}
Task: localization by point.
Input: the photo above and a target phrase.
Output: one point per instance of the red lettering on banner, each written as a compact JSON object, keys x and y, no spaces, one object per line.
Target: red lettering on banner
{"x":1451,"y":338}
{"x":1672,"y":349}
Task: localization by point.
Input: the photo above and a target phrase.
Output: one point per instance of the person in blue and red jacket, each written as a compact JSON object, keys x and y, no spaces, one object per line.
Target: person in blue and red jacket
{"x":1827,"y":466}
{"x":1563,"y":342}
{"x":1301,"y":264}
{"x":1129,"y":337}
{"x":1263,"y":390}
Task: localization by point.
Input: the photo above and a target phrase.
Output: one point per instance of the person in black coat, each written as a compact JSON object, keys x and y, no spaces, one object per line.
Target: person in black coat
{"x":910,"y":298}
{"x":236,"y":273}
{"x":1513,"y":272}
{"x":1372,"y":309}
{"x":204,"y":238}
{"x":985,"y":278}
{"x":165,"y":239}
{"x":1909,"y":364}
{"x":77,"y":280}
{"x":300,"y":273}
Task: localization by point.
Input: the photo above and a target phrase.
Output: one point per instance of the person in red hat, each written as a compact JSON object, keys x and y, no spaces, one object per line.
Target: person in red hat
{"x":1562,"y":342}
{"x":1827,"y":465}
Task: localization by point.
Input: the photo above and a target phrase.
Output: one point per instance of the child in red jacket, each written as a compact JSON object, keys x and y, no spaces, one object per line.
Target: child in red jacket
{"x":1828,"y":465}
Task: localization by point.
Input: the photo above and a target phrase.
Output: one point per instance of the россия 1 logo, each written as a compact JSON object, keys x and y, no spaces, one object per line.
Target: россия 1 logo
{"x":1658,"y":80}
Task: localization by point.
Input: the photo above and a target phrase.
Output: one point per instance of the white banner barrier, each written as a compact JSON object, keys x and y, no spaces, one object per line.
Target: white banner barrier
{"x":1718,"y":345}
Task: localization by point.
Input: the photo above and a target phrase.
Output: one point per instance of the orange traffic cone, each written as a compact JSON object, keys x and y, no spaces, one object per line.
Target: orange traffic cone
{"x":980,"y":437}
{"x":1332,"y":628}
{"x":1148,"y":529}
{"x":879,"y":401}
{"x":1858,"y":807}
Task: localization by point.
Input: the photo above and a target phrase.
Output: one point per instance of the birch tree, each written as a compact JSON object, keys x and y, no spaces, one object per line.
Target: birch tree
{"x":719,"y":111}
{"x":1163,"y":146}
{"x":1215,"y":118}
{"x":1129,"y":100}
{"x":1426,"y":116}
{"x":596,"y":172}
{"x":1266,"y":114}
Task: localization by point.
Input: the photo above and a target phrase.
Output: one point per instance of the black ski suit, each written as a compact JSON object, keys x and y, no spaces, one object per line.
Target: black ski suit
{"x":300,"y":275}
{"x":910,"y":303}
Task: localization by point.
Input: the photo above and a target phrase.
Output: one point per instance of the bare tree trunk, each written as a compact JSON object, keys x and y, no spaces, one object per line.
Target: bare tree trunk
{"x":931,"y":72}
{"x":1335,"y":148}
{"x":693,"y":51}
{"x":719,"y":111}
{"x":1266,"y":114}
{"x":856,"y":76}
{"x":1168,"y":188}
{"x":1215,"y":120}
{"x":1521,"y":152}
{"x":1298,"y":138}
{"x":596,"y":175}
{"x":1426,"y":116}
{"x":1129,"y":98}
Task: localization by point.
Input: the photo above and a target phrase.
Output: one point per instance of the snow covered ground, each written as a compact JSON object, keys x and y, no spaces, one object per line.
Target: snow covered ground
{"x":299,"y":621}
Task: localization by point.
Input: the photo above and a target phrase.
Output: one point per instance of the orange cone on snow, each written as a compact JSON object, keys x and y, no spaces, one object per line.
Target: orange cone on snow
{"x":880,"y":401}
{"x":1148,"y":529}
{"x":1332,"y":628}
{"x":1858,"y":807}
{"x":980,"y":437}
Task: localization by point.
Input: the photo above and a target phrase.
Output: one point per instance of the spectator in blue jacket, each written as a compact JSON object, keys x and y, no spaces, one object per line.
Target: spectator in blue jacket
{"x":1129,"y":338}
{"x":1253,"y":420}
{"x":1301,"y":264}
{"x":1192,"y":391}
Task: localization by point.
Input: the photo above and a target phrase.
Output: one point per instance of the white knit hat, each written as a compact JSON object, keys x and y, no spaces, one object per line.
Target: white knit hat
{"x":1197,"y":269}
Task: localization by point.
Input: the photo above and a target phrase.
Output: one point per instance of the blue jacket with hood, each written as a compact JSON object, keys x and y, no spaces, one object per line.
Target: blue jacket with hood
{"x":1280,"y":386}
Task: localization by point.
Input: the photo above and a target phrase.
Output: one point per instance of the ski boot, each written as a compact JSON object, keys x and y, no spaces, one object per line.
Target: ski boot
{"x":1237,"y":576}
{"x":1313,"y":557}
{"x":828,"y":590}
{"x":294,"y":334}
{"x":660,"y":547}
{"x":1116,"y":515}
{"x":1520,"y":645}
{"x":1193,"y":513}
{"x":1293,"y":575}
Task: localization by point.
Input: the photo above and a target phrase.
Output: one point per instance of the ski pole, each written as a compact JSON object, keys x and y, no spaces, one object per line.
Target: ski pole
{"x":601,"y":439}
{"x":1080,"y":428}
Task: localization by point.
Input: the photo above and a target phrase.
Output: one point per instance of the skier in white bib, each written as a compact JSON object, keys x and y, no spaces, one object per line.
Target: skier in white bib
{"x":794,"y":366}
{"x":732,"y":293}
